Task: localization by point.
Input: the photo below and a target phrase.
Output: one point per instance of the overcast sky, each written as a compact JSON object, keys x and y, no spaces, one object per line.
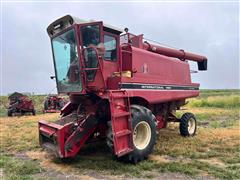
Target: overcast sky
{"x":210,"y":29}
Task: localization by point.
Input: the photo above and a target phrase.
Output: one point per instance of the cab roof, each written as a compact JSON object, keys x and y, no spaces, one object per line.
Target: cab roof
{"x":69,"y":20}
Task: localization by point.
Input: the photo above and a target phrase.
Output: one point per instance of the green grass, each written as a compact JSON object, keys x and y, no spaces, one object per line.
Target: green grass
{"x":213,"y":117}
{"x":21,"y":133}
{"x":14,"y":168}
{"x":204,"y":93}
{"x":217,"y":99}
{"x":219,"y":172}
{"x":217,"y":141}
{"x":106,"y":165}
{"x":232,"y":101}
{"x":185,"y":156}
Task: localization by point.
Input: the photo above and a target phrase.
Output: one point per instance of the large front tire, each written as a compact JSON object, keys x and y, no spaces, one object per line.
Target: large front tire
{"x":144,"y":134}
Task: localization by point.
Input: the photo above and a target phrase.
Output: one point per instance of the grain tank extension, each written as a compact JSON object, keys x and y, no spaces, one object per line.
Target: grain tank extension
{"x":122,"y":89}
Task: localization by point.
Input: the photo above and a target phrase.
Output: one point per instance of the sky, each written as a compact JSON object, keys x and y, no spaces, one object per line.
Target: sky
{"x":206,"y":28}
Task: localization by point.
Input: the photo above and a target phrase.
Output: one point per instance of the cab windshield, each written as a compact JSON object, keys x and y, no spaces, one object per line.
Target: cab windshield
{"x":66,"y":62}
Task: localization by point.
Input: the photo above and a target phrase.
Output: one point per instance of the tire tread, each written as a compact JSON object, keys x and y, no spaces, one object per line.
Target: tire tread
{"x":184,"y":124}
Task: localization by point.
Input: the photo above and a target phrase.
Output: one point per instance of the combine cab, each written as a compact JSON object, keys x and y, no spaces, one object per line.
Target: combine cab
{"x":122,"y":89}
{"x":53,"y":104}
{"x":20,"y":104}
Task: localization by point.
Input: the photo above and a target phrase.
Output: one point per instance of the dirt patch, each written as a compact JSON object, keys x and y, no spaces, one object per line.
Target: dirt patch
{"x":37,"y":155}
{"x":1,"y":173}
{"x":203,"y":124}
{"x":154,"y":175}
{"x":161,"y":159}
{"x":47,"y":161}
{"x":60,"y":176}
{"x":214,"y":162}
{"x":167,"y":159}
{"x":22,"y":156}
{"x":63,"y":170}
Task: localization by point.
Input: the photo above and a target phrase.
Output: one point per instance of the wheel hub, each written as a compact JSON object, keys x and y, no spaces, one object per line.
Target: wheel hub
{"x":191,"y":126}
{"x":141,"y":135}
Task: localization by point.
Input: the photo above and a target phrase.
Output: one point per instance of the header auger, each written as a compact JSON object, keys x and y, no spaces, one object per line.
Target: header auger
{"x":122,"y":89}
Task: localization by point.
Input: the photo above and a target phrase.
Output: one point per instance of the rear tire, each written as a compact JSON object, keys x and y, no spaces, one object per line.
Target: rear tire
{"x":46,"y":105}
{"x":22,"y":113}
{"x":33,"y":112}
{"x":10,"y":113}
{"x":188,"y":125}
{"x":61,"y":104}
{"x":144,"y":134}
{"x":110,"y":136}
{"x":67,"y":160}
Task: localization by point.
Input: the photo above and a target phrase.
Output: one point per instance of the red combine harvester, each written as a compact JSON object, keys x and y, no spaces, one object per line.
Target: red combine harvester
{"x":20,"y":104}
{"x":122,"y":89}
{"x":53,"y":104}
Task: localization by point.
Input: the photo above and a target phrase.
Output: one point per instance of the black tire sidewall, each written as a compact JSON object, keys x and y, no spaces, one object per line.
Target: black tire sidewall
{"x":10,"y":113}
{"x":61,"y":104}
{"x":184,"y":124}
{"x":22,"y":113}
{"x":33,"y":112}
{"x":46,"y":105}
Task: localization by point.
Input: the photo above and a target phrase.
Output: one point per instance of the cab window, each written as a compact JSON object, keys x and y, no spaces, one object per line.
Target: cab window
{"x":110,"y":44}
{"x":90,"y":35}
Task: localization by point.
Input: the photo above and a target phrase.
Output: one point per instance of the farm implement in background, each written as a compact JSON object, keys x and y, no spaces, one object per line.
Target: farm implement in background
{"x":20,"y":104}
{"x":53,"y":104}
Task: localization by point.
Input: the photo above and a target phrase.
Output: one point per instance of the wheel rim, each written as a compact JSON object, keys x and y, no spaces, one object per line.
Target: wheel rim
{"x":141,"y":135}
{"x":191,"y":126}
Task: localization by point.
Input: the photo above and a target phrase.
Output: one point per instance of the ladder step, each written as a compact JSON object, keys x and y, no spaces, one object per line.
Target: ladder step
{"x":120,"y":96}
{"x":121,"y":114}
{"x":124,"y":151}
{"x":120,"y":105}
{"x":90,"y":69}
{"x":123,"y":133}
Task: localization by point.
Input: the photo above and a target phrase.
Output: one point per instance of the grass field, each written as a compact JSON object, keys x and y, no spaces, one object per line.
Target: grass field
{"x":214,"y":153}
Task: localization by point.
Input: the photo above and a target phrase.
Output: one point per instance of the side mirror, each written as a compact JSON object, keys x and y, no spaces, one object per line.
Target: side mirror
{"x":52,"y":77}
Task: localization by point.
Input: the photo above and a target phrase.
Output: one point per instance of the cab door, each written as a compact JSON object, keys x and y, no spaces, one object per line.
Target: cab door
{"x":91,"y":37}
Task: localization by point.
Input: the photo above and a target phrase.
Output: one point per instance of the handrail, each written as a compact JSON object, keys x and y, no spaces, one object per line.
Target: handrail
{"x":99,"y":65}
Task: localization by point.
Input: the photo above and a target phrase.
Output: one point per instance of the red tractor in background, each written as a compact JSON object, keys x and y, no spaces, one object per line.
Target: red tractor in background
{"x":122,"y":89}
{"x":53,"y":104}
{"x":20,"y":104}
